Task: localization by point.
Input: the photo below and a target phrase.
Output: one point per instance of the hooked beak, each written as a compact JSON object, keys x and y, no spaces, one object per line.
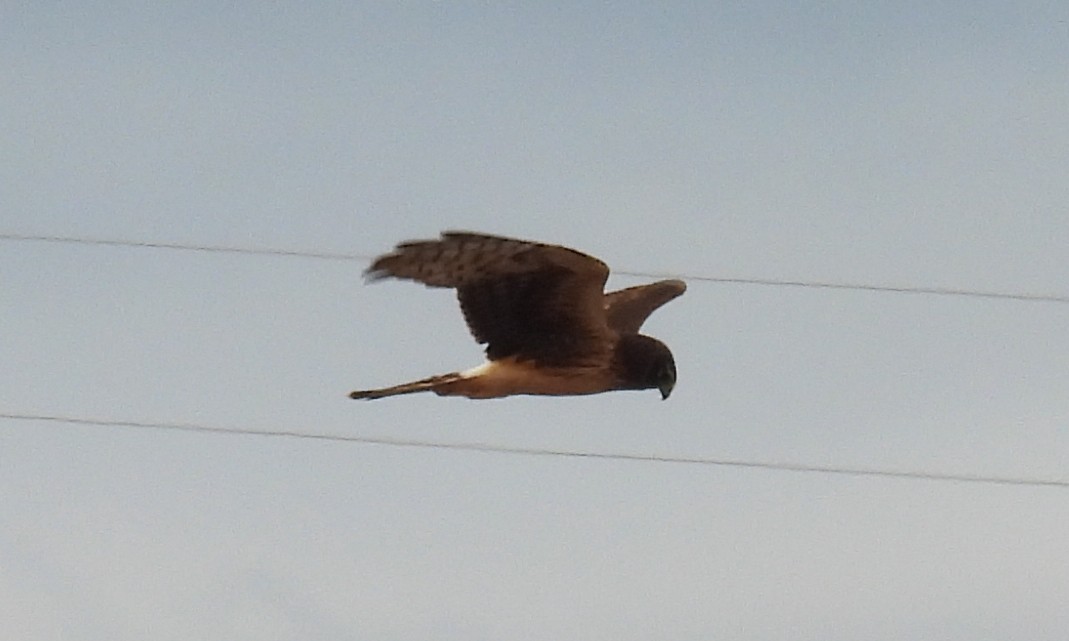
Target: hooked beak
{"x":666,"y":389}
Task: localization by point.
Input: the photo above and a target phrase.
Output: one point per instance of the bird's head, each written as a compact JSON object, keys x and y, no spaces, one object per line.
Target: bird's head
{"x":645,"y":363}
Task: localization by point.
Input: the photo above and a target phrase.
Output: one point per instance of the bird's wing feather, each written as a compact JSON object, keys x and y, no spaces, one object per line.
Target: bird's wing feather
{"x":627,"y":309}
{"x":454,"y":260}
{"x":523,"y":299}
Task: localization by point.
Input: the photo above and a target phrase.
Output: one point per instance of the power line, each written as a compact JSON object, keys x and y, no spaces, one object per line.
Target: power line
{"x":770,"y":282}
{"x":218,"y":249}
{"x":931,"y":291}
{"x":550,"y":452}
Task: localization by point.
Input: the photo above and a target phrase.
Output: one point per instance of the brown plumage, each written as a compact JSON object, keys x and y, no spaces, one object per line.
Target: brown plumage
{"x":542,"y":313}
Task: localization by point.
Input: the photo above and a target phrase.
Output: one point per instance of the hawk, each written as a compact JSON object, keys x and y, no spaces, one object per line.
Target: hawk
{"x":541,"y":310}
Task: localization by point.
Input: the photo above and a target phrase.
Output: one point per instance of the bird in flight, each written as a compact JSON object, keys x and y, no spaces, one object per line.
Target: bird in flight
{"x":542,"y":312}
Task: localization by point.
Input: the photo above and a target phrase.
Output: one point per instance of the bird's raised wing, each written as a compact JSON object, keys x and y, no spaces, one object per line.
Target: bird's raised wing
{"x":522,"y":299}
{"x":627,"y":309}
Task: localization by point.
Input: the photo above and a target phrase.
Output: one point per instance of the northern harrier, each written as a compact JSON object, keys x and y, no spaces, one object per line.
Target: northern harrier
{"x":541,"y":310}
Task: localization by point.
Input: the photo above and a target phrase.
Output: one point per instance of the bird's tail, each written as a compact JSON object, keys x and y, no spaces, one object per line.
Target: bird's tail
{"x":432,"y":384}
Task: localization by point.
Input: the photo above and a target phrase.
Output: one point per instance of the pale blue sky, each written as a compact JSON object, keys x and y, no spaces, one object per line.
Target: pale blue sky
{"x":906,"y":143}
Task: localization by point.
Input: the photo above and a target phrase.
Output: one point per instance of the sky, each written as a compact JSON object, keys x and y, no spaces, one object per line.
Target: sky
{"x":902,"y":144}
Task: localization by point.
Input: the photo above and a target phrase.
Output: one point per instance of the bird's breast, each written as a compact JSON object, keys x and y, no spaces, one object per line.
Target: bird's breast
{"x":508,"y":376}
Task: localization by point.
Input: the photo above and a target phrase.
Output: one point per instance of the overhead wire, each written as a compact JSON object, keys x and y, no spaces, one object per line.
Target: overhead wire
{"x":730,"y":280}
{"x":529,"y":451}
{"x":918,"y":475}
